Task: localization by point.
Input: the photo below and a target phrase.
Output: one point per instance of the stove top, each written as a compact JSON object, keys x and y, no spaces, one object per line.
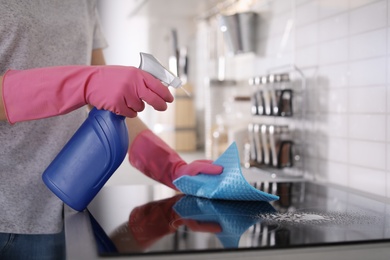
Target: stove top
{"x":149,"y":220}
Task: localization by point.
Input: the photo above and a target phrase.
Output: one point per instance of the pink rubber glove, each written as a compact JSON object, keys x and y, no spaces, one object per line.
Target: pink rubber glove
{"x":153,"y":157}
{"x":45,"y":92}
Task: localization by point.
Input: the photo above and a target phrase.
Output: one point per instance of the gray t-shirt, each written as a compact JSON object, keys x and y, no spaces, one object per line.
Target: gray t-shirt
{"x":39,"y":34}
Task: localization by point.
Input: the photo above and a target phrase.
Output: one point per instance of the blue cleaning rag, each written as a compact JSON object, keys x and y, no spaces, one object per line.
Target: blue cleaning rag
{"x":229,"y":185}
{"x":234,"y":217}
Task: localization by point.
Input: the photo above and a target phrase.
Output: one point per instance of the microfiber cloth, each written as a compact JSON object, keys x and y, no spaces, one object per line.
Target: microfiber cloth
{"x":234,"y":217}
{"x":229,"y":185}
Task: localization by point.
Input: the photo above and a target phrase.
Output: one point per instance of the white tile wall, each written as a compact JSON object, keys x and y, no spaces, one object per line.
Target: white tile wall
{"x":368,"y":72}
{"x":306,"y":57}
{"x":368,"y":44}
{"x":333,"y":100}
{"x":388,"y":137}
{"x":334,"y":172}
{"x":336,"y":75}
{"x":367,"y":154}
{"x":306,"y":13}
{"x":369,"y":17}
{"x":358,"y":3}
{"x":338,"y":54}
{"x":368,"y":180}
{"x":367,"y":100}
{"x":280,"y":6}
{"x":331,"y":7}
{"x":307,"y":35}
{"x":334,"y":125}
{"x":334,"y":149}
{"x":334,"y":27}
{"x":388,"y":162}
{"x":348,"y":115}
{"x":278,"y":22}
{"x":367,"y":127}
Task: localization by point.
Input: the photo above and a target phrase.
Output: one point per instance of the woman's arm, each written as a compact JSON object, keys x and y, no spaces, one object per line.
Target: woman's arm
{"x":97,"y":59}
{"x":136,"y":124}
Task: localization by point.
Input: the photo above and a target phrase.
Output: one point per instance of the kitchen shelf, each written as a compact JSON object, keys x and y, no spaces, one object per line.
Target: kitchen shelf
{"x":297,"y":82}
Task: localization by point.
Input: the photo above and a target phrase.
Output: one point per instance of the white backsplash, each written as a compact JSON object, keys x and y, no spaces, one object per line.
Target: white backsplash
{"x":343,"y":47}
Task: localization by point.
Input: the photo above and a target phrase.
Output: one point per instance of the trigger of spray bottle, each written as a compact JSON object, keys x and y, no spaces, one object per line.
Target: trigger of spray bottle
{"x":96,"y":149}
{"x":150,"y":64}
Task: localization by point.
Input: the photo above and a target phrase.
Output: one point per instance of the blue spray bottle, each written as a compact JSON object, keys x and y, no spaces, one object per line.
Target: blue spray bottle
{"x":96,"y":150}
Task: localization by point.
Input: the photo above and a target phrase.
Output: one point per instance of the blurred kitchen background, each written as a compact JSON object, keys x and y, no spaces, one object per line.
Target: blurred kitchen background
{"x":326,"y":62}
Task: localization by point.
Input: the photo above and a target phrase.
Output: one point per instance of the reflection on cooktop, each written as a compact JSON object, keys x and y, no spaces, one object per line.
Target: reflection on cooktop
{"x":143,"y":220}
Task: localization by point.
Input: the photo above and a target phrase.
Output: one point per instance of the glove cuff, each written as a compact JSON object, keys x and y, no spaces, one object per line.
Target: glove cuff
{"x":153,"y":157}
{"x":4,"y":100}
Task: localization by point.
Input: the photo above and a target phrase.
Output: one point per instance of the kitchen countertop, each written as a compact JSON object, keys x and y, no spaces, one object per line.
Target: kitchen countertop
{"x":81,"y":244}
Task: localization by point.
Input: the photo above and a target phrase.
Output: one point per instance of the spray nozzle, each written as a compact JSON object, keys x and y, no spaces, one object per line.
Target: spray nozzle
{"x":150,"y":64}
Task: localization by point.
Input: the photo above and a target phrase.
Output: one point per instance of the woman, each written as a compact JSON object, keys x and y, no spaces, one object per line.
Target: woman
{"x":46,"y":49}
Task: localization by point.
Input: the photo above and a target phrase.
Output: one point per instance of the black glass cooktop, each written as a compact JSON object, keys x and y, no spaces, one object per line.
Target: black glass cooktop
{"x":138,"y":220}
